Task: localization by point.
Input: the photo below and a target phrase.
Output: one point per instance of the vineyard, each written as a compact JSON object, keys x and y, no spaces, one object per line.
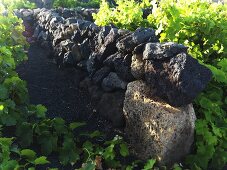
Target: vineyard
{"x":105,"y":85}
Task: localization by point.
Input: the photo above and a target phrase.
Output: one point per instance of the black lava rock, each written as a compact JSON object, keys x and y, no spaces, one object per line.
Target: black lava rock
{"x":177,"y":80}
{"x":100,"y":75}
{"x":141,"y":35}
{"x":154,"y":51}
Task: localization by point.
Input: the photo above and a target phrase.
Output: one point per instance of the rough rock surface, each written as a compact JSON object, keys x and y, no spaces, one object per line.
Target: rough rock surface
{"x":156,"y":129}
{"x":110,"y":106}
{"x":137,"y":66}
{"x":154,"y":51}
{"x":177,"y":80}
{"x":101,"y":74}
{"x":113,"y":82}
{"x":141,"y":35}
{"x":121,"y":64}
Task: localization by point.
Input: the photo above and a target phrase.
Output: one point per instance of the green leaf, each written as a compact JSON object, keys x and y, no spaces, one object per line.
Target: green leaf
{"x":29,"y":154}
{"x":3,"y":92}
{"x":223,"y":64}
{"x":88,"y":166}
{"x":25,"y":134}
{"x":8,"y":120}
{"x":95,"y":134}
{"x":216,"y":130}
{"x":68,"y":152}
{"x":1,"y":107}
{"x":75,"y":125}
{"x":15,"y":149}
{"x":112,"y":163}
{"x":129,"y":167}
{"x":41,"y":111}
{"x":176,"y":167}
{"x":149,"y":165}
{"x":31,"y":168}
{"x":218,"y":74}
{"x":41,"y":161}
{"x":5,"y":144}
{"x":205,"y":103}
{"x":88,"y":145}
{"x":124,"y":150}
{"x":225,"y":100}
{"x":48,"y":142}
{"x":8,"y":165}
{"x":109,"y":152}
{"x":59,"y":125}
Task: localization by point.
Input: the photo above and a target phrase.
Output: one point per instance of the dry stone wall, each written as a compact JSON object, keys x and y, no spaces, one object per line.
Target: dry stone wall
{"x":131,"y":77}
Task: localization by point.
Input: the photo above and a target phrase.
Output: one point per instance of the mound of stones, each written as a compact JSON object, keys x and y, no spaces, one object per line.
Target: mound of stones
{"x":134,"y":80}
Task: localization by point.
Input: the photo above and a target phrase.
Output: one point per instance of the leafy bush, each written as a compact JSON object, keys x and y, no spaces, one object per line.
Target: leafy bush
{"x":76,"y":3}
{"x":198,"y":24}
{"x":17,"y":4}
{"x":126,"y":15}
{"x":201,"y":26}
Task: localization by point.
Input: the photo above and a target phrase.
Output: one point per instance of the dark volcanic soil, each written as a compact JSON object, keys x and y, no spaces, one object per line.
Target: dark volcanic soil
{"x":55,"y":88}
{"x":58,"y":90}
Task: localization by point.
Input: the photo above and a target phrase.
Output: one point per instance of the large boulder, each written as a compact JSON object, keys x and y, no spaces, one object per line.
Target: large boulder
{"x":156,"y":129}
{"x":177,"y":80}
{"x":154,"y":51}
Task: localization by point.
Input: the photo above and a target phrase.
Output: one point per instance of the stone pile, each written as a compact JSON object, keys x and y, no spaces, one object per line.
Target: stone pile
{"x":131,"y":77}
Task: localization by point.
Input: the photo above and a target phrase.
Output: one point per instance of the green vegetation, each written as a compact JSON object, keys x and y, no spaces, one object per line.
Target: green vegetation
{"x":13,"y":4}
{"x":14,"y":107}
{"x":197,"y":24}
{"x":201,"y":26}
{"x":76,"y":3}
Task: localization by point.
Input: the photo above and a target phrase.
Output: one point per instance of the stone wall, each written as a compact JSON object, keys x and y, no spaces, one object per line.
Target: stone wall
{"x":131,"y":77}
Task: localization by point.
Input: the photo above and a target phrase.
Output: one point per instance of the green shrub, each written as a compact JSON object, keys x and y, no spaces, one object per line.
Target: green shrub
{"x":126,"y":15}
{"x":76,"y":3}
{"x":17,"y":4}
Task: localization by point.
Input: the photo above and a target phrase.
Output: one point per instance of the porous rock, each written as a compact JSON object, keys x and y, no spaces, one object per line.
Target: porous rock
{"x":43,"y":35}
{"x":154,"y":51}
{"x":156,"y":129}
{"x":110,"y":106}
{"x":121,"y":64}
{"x":68,"y":59}
{"x":76,"y":52}
{"x":141,"y":35}
{"x":109,"y":45}
{"x":100,"y":75}
{"x":103,"y":33}
{"x":113,"y":82}
{"x":137,"y":66}
{"x":85,"y":48}
{"x":93,"y":64}
{"x":177,"y":80}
